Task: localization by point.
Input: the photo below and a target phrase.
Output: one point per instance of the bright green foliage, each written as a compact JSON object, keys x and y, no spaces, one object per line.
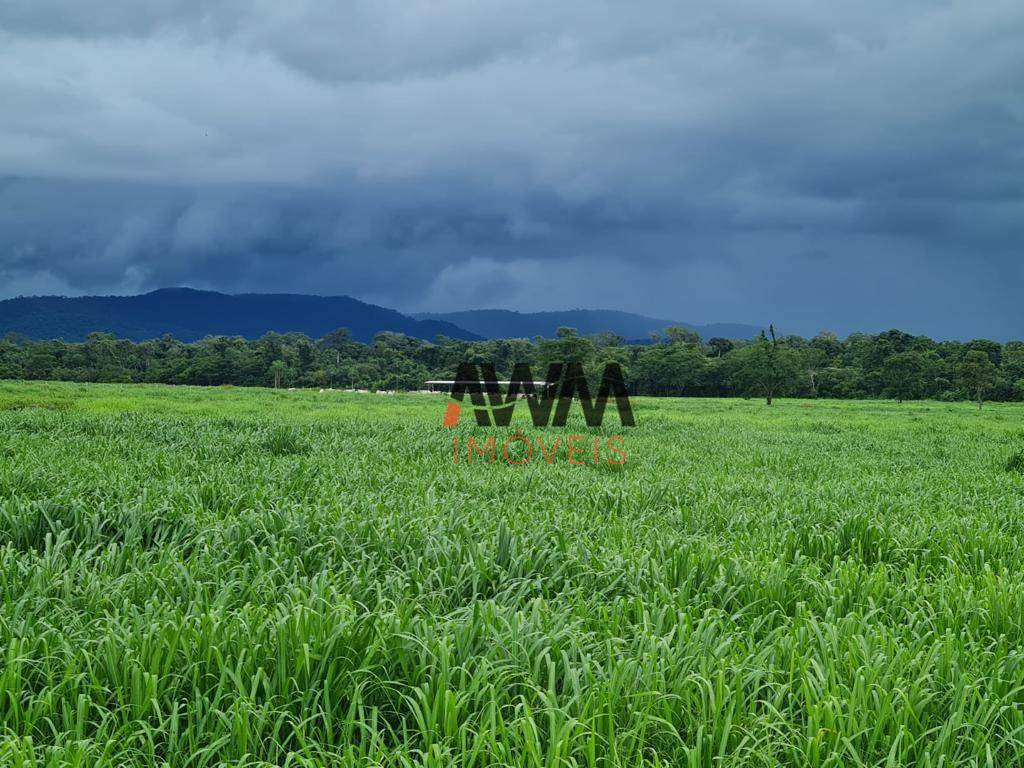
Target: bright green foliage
{"x":204,"y":577}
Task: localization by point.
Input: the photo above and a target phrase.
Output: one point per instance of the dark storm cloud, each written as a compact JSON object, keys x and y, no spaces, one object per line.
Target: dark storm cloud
{"x":815,"y":164}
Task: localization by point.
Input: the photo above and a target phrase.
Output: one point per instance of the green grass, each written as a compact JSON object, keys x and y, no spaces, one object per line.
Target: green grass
{"x":201,"y":577}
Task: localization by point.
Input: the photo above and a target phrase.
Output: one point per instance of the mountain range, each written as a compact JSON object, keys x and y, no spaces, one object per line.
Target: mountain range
{"x":189,"y":315}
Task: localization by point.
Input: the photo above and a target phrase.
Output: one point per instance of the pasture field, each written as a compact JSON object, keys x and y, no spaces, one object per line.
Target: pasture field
{"x":205,"y":577}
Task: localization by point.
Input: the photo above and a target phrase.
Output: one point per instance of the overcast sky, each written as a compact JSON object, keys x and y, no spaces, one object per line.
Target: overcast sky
{"x":849,"y":166}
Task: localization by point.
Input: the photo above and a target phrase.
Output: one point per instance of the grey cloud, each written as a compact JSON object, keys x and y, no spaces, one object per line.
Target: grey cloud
{"x":689,"y":160}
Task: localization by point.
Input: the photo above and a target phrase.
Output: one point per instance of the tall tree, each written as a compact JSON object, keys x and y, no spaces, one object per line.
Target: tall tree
{"x":766,"y":368}
{"x":677,"y":335}
{"x":903,"y":374}
{"x":278,"y":369}
{"x":720,"y":347}
{"x":977,"y":374}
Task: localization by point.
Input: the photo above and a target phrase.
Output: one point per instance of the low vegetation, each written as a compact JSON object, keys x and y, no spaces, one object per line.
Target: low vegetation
{"x":203,"y":577}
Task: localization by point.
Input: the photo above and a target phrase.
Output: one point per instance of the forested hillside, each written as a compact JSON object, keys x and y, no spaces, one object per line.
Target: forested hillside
{"x":191,"y":315}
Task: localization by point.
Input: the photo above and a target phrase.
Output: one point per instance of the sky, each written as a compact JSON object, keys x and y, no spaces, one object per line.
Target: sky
{"x":817,"y":165}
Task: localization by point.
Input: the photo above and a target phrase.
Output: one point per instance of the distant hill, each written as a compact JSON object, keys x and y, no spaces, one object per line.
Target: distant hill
{"x":505,"y":324}
{"x":190,"y":315}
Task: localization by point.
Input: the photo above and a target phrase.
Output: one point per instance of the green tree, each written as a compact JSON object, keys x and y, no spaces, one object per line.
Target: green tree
{"x":720,"y":347}
{"x":670,"y":370}
{"x":812,"y":361}
{"x":278,"y":369}
{"x":977,"y":374}
{"x":903,"y":375}
{"x":567,"y":347}
{"x":766,"y":368}
{"x":677,"y":335}
{"x":829,"y":344}
{"x":1012,"y":368}
{"x":338,"y":342}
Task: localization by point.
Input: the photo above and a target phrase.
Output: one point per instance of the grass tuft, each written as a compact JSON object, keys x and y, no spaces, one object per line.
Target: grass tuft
{"x":1015,"y":462}
{"x":284,"y":441}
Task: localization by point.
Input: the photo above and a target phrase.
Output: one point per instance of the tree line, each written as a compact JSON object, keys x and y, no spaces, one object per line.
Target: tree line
{"x":676,"y":362}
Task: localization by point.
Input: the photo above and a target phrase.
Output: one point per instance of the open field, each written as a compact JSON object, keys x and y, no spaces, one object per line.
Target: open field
{"x":200,"y":577}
